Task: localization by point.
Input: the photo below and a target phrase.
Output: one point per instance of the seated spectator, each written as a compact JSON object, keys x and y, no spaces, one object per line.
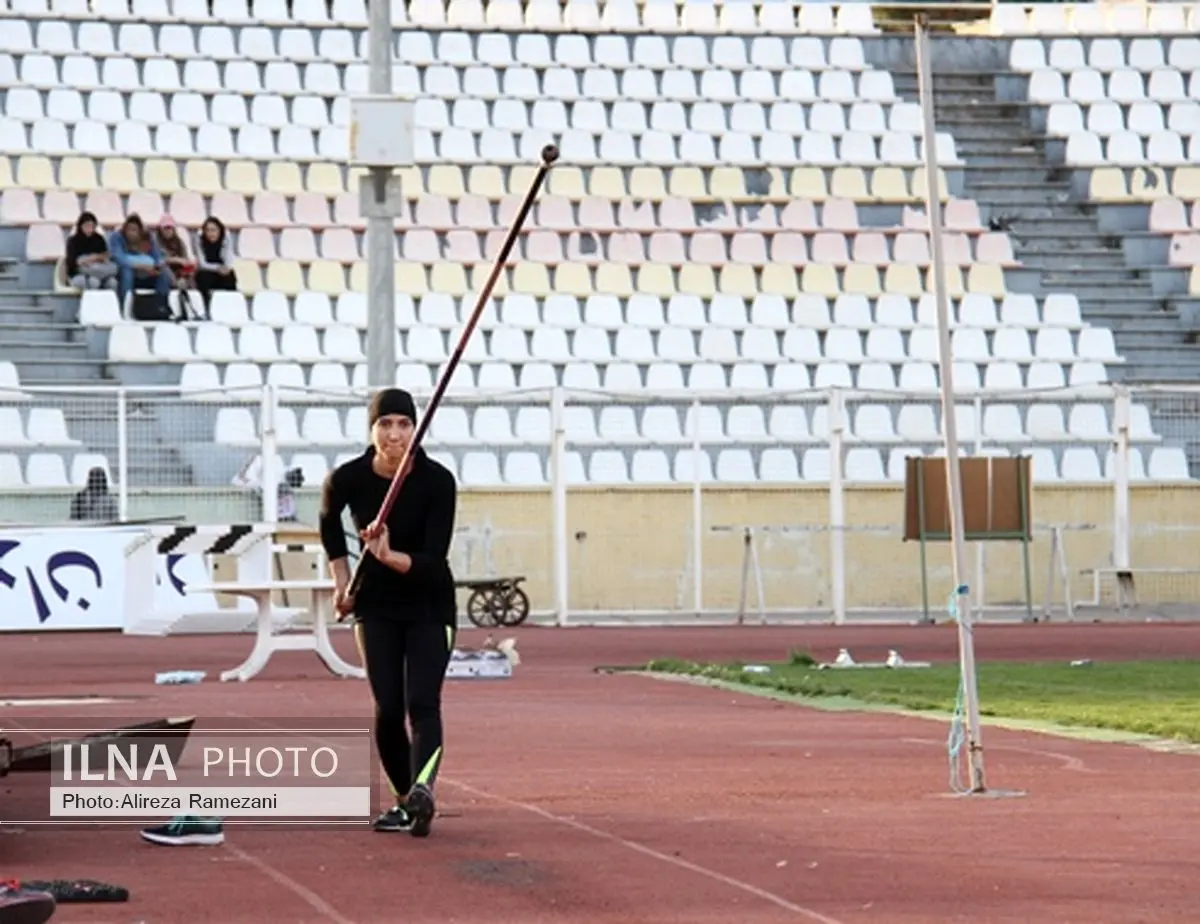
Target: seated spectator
{"x":178,"y":256}
{"x":95,"y":501}
{"x":141,"y":266}
{"x":214,"y":262}
{"x":89,"y":265}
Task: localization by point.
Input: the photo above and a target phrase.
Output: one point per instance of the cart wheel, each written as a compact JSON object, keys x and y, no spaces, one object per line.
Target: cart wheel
{"x":516,"y":609}
{"x":481,"y":608}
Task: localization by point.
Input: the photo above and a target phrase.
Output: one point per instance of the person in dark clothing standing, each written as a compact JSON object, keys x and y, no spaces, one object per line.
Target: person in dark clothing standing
{"x":405,"y":608}
{"x":95,"y":501}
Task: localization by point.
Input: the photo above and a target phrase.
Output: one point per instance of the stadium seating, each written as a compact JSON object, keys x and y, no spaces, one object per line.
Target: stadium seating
{"x":740,"y":206}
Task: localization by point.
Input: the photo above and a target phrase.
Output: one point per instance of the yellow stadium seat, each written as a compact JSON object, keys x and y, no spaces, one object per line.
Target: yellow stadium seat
{"x":779,"y":184}
{"x":486,"y":180}
{"x":647,"y":183}
{"x":820,"y":279}
{"x":920,"y":187}
{"x":848,"y":183}
{"x":569,"y":279}
{"x":862,"y":279}
{"x":533,"y":279}
{"x":607,"y":182}
{"x":243,"y":176}
{"x":655,"y":279}
{"x":1147,"y":183}
{"x":284,"y":177}
{"x":285,"y":276}
{"x":411,"y":279}
{"x":1194,"y":281}
{"x":688,"y":183}
{"x":903,"y":279}
{"x":808,"y":183}
{"x":697,"y":280}
{"x":780,"y":279}
{"x":446,"y":180}
{"x":954,"y":281}
{"x":325,"y":179}
{"x":568,"y":182}
{"x":737,"y":279}
{"x":1107,"y":184}
{"x":449,"y":279}
{"x":327,"y":277}
{"x":358,"y":277}
{"x":249,"y":276}
{"x":519,"y":179}
{"x":36,"y":173}
{"x":412,"y":181}
{"x":1185,"y":184}
{"x":479,"y":275}
{"x":6,"y":173}
{"x":120,"y":175}
{"x":986,"y":279}
{"x":201,"y":176}
{"x":888,"y":184}
{"x":614,"y":279}
{"x":78,"y":174}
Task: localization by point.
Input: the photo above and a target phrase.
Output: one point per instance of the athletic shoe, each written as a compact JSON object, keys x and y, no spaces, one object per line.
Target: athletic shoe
{"x":394,"y":819}
{"x":421,"y":808}
{"x":20,"y":905}
{"x":186,"y":831}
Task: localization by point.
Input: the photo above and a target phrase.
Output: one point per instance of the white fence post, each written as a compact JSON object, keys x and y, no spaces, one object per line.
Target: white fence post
{"x":558,"y":492}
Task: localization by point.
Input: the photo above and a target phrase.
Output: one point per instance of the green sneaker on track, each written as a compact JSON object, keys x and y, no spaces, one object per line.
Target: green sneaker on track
{"x":187,"y":831}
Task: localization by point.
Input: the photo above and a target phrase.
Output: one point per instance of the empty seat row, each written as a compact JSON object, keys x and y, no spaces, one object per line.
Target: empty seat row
{"x":1108,"y":118}
{"x":51,"y":470}
{"x":1143,"y":183}
{"x":1094,"y":19}
{"x":670,"y":425}
{"x":1168,"y":216}
{"x":477,"y":468}
{"x":1128,"y":149}
{"x":1164,"y":85}
{"x":1105,"y":54}
{"x":133,"y":342}
{"x":330,"y":381}
{"x":38,"y":426}
{"x":610,"y":312}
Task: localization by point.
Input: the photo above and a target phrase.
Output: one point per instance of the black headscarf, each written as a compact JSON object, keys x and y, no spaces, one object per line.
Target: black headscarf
{"x":391,"y":401}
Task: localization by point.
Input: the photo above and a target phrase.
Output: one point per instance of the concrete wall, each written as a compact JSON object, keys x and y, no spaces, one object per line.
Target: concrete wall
{"x":630,"y":549}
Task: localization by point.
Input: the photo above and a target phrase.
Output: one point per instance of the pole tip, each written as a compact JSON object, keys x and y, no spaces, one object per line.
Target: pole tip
{"x":549,"y":154}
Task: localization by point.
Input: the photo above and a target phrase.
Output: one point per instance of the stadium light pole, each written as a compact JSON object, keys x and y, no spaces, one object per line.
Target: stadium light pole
{"x":933,"y":207}
{"x":381,"y":239}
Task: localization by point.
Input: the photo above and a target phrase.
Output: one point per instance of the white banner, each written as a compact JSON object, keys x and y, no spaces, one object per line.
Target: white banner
{"x":276,"y":802}
{"x":75,"y":578}
{"x":62,"y":579}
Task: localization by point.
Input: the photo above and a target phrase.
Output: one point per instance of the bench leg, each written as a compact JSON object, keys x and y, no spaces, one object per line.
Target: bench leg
{"x":324,"y":646}
{"x":261,"y":653}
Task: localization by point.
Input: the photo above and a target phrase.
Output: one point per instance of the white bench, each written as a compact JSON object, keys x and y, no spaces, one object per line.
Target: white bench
{"x":266,"y":642}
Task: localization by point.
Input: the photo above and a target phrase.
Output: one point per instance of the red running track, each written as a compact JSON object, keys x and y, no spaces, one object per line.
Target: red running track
{"x":581,"y":797}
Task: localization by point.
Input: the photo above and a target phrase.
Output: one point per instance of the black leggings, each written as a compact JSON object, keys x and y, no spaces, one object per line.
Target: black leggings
{"x":406,"y":666}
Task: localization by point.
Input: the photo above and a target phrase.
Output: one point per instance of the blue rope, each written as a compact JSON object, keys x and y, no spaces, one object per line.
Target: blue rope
{"x":958,"y":735}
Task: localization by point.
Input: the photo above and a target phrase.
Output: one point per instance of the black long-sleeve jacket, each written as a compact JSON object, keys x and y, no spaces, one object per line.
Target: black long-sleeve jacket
{"x":420,"y":524}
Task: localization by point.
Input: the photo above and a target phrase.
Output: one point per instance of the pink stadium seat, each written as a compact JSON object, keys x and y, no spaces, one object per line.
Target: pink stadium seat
{"x":542,"y":246}
{"x":708,"y":248}
{"x":60,"y":207}
{"x":575,"y":248}
{"x":627,"y":247}
{"x":994,"y":247}
{"x":1168,"y":216}
{"x":106,"y":205}
{"x":748,"y":247}
{"x":44,"y":242}
{"x":420,"y":245}
{"x":506,"y":210}
{"x":475,"y":212}
{"x":911,"y":247}
{"x":256,"y":243}
{"x":229,"y":207}
{"x":555,"y":212}
{"x":149,"y":205}
{"x":1185,"y":250}
{"x":270,"y":209}
{"x":830,"y":247}
{"x":677,"y":214}
{"x":799,"y":215}
{"x":957,"y":249}
{"x":311,"y":210}
{"x":962,"y":215}
{"x":665,"y":247}
{"x":463,"y":247}
{"x":346,"y":213}
{"x":339,"y":244}
{"x":636,"y":216}
{"x":433,"y":212}
{"x":839,"y":215}
{"x":297,"y":244}
{"x":1196,"y":215}
{"x":870,"y":247}
{"x":596,"y":213}
{"x":19,"y":207}
{"x":789,"y":247}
